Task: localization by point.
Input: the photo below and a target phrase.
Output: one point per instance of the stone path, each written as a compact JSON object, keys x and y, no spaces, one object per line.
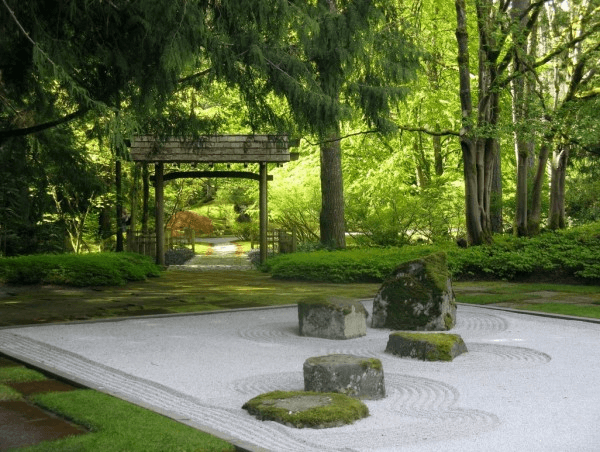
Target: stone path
{"x":222,"y":255}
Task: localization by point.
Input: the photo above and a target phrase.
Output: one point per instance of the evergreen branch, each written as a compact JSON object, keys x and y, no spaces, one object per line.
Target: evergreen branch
{"x":13,"y":15}
{"x":4,"y":134}
{"x":365,"y":132}
{"x":435,"y":133}
{"x":194,"y":76}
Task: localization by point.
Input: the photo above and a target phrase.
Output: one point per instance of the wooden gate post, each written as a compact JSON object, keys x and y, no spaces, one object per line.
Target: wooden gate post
{"x":160,"y":213}
{"x":263,"y":211}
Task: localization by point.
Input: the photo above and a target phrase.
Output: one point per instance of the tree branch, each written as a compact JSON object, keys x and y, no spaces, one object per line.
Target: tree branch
{"x":4,"y":134}
{"x":435,"y":133}
{"x":193,"y":76}
{"x":13,"y":15}
{"x":505,"y":81}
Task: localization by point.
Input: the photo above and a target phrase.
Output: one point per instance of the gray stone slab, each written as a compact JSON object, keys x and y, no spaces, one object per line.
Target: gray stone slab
{"x":332,"y":318}
{"x":352,"y":375}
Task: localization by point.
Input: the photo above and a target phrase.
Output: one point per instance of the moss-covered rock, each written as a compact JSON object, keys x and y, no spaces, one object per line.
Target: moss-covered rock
{"x":426,"y":346}
{"x":417,"y":297}
{"x":332,"y":318}
{"x":307,"y":409}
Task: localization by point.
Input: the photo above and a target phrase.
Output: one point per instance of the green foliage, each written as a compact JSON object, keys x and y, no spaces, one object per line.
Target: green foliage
{"x":573,"y":253}
{"x":118,"y":426}
{"x":358,"y":265}
{"x":295,"y":198}
{"x":101,"y":269}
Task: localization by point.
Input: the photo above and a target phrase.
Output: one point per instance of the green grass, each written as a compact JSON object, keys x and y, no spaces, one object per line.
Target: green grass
{"x":8,"y":393}
{"x":17,"y":374}
{"x":563,"y":309}
{"x":493,"y":298}
{"x":116,"y":425}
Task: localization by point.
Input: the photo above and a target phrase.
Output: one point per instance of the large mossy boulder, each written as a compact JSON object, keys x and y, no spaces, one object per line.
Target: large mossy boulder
{"x":426,"y":346}
{"x":332,"y":318}
{"x":417,"y":297}
{"x":307,"y":409}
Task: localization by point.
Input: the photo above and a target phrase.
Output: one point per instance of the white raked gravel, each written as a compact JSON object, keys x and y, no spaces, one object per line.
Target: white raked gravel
{"x":527,"y":384}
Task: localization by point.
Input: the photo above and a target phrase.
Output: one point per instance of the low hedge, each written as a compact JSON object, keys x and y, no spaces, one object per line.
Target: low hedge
{"x":98,"y":269}
{"x":572,"y":254}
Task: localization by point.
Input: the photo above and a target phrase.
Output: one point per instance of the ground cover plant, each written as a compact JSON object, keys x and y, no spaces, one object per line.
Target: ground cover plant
{"x":575,"y":300}
{"x":572,"y":255}
{"x":96,"y":269}
{"x":173,"y":292}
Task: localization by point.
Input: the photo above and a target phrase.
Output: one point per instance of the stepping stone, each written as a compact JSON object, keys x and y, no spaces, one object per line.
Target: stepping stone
{"x":426,"y":346}
{"x":354,"y":376}
{"x":307,"y":409}
{"x":418,"y":297}
{"x":332,"y":318}
{"x":22,"y":424}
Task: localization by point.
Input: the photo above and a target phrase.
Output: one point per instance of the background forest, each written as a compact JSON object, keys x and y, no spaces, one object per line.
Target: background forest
{"x":419,"y":120}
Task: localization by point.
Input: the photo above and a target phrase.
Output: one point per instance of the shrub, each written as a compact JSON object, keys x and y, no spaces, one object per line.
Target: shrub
{"x":358,"y":265}
{"x":98,"y":269}
{"x":570,"y":254}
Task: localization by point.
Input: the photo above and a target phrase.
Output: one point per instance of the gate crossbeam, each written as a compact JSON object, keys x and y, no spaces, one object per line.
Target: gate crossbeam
{"x":260,"y":149}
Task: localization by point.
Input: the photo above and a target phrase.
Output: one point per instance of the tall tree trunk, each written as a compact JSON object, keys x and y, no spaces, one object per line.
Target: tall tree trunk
{"x":333,"y":230}
{"x":478,"y":152}
{"x":557,"y":188}
{"x":519,"y":111}
{"x":534,"y":218}
{"x":437,"y":154}
{"x":496,"y":196}
{"x":332,"y":220}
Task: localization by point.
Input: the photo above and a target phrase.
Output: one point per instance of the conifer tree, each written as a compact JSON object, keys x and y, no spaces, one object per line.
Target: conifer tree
{"x":334,"y":60}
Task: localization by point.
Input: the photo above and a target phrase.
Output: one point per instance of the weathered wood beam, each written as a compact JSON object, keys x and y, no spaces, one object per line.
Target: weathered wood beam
{"x":211,"y":174}
{"x":263,"y":212}
{"x":216,"y":149}
{"x":160,"y":214}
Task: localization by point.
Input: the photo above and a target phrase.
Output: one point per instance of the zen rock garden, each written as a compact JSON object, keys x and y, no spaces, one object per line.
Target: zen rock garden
{"x":417,"y":297}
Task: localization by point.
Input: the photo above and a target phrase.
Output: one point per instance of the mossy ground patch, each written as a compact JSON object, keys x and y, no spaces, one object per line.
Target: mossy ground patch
{"x":302,"y":409}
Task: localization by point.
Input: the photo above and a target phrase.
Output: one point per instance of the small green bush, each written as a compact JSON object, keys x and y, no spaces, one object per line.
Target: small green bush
{"x":357,"y":265}
{"x":98,"y":269}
